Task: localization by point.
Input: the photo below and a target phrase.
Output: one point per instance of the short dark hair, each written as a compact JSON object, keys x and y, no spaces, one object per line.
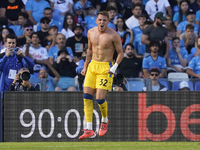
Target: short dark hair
{"x":11,"y":36}
{"x":136,"y":5}
{"x":154,"y":43}
{"x":48,"y":8}
{"x":130,"y":44}
{"x":35,"y":33}
{"x":175,"y":38}
{"x":53,"y":27}
{"x":104,"y":13}
{"x":109,"y":8}
{"x":190,"y":26}
{"x":23,"y":14}
{"x":171,"y":27}
{"x":154,"y":70}
{"x":28,"y":25}
{"x":44,"y":19}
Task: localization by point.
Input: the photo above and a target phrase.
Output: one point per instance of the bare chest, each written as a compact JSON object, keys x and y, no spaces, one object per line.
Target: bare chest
{"x":103,"y":41}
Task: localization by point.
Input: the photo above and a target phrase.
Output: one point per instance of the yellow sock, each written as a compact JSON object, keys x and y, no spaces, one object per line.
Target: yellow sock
{"x":103,"y":108}
{"x":88,"y":109}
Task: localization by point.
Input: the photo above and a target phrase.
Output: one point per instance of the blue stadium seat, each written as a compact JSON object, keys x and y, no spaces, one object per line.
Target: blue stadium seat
{"x":197,"y":86}
{"x":175,"y":85}
{"x":135,"y":85}
{"x":164,"y":82}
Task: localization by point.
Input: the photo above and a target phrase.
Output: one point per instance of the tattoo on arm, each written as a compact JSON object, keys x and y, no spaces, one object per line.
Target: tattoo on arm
{"x":88,"y":56}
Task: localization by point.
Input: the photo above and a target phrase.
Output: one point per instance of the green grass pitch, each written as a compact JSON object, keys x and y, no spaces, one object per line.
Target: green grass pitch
{"x":100,"y":146}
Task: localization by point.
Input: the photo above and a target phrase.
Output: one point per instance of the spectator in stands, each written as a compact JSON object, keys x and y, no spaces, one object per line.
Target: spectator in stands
{"x":4,"y":24}
{"x":78,"y":12}
{"x":172,"y":33}
{"x":133,"y":20}
{"x":79,"y":68}
{"x":10,"y":10}
{"x":137,"y":40}
{"x":197,"y":19}
{"x":43,"y":33}
{"x":114,"y":4}
{"x":177,"y":60}
{"x":50,"y":40}
{"x":111,"y":12}
{"x":167,"y":21}
{"x":50,"y":82}
{"x":176,"y":7}
{"x":195,"y":6}
{"x":130,"y":67}
{"x":68,"y":25}
{"x":78,"y":42}
{"x":104,"y":5}
{"x":139,"y":29}
{"x":61,"y":44}
{"x":128,"y":8}
{"x":11,"y":62}
{"x":125,"y":33}
{"x":154,"y":6}
{"x":4,"y":32}
{"x":22,"y":83}
{"x":184,"y":86}
{"x":36,"y":52}
{"x":28,"y":30}
{"x":90,"y":19}
{"x":60,"y":8}
{"x":181,"y":14}
{"x":65,"y":66}
{"x":193,"y":68}
{"x":156,"y":32}
{"x":48,"y":14}
{"x":156,"y":85}
{"x":154,"y":61}
{"x":189,"y":37}
{"x":195,"y":51}
{"x":190,"y":16}
{"x":35,"y":9}
{"x":22,"y":20}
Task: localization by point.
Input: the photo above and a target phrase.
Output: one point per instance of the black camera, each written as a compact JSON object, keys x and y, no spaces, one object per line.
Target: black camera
{"x":25,"y":76}
{"x":118,"y":80}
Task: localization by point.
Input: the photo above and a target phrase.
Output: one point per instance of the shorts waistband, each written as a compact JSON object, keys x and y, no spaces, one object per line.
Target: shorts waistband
{"x":102,"y":63}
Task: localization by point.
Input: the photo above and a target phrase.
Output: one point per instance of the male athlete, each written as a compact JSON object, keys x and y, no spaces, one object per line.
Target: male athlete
{"x":102,"y":43}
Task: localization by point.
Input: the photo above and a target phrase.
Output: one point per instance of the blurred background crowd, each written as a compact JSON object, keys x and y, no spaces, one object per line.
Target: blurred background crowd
{"x":43,"y":43}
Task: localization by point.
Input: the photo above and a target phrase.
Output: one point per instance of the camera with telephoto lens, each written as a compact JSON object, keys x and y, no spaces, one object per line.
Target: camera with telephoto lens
{"x":118,"y":80}
{"x":25,"y":76}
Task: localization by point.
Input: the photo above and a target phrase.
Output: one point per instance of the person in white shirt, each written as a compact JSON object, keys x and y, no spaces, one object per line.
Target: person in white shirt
{"x":60,"y":8}
{"x":37,"y":53}
{"x":68,"y":26}
{"x":133,"y":20}
{"x":154,"y":6}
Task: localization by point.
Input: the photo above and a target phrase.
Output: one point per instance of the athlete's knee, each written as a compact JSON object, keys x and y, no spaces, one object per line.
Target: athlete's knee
{"x":87,"y":96}
{"x":100,"y":101}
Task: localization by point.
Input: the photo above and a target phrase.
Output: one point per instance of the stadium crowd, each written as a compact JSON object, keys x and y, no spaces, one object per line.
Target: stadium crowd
{"x":48,"y":39}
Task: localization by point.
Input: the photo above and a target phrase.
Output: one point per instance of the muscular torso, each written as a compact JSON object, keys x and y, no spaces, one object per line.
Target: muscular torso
{"x":102,"y":45}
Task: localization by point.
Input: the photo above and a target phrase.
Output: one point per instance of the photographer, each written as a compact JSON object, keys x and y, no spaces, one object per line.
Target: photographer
{"x":12,"y":60}
{"x":120,"y":82}
{"x":22,"y":83}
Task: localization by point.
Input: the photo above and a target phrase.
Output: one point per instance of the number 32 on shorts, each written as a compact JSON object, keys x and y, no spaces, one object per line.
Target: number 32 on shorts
{"x":103,"y":82}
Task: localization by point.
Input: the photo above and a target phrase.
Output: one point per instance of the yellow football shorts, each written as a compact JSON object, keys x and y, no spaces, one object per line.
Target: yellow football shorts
{"x":97,"y":76}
